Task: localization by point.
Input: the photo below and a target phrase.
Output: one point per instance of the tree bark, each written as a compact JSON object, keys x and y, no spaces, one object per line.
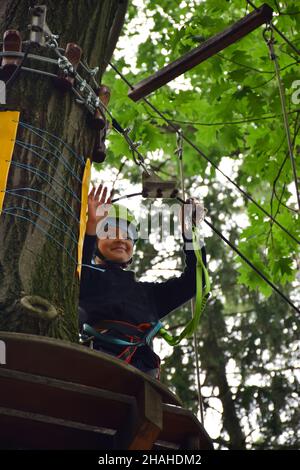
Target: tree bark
{"x":38,"y":242}
{"x":214,"y":361}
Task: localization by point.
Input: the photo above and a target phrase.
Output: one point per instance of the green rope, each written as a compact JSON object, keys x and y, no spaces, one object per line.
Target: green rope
{"x":202,"y":295}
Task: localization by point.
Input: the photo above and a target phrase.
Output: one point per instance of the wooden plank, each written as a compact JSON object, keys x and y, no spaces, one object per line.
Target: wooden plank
{"x":142,"y":430}
{"x":65,"y":400}
{"x":36,"y":431}
{"x":199,"y":54}
{"x":52,"y":382}
{"x":71,"y":362}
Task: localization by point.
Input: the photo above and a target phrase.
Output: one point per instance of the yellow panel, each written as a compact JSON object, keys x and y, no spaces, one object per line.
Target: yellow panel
{"x":9,"y":121}
{"x":83,"y":211}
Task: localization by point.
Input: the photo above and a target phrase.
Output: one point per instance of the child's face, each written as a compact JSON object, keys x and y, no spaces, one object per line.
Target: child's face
{"x":117,"y":247}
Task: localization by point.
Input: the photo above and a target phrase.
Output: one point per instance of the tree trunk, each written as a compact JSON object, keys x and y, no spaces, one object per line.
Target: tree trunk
{"x":39,"y":235}
{"x":215,"y":362}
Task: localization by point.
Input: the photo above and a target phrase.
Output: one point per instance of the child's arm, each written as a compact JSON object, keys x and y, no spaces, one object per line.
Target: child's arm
{"x":171,"y":294}
{"x":95,"y":199}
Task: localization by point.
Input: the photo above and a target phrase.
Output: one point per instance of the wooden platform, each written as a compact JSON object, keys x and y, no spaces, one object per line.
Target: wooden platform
{"x":59,"y":395}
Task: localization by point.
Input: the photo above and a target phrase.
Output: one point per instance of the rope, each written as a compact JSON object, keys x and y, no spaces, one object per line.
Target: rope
{"x":39,"y":227}
{"x":179,"y":152}
{"x":48,"y":196}
{"x":37,"y":131}
{"x":30,"y":148}
{"x":40,"y":173}
{"x":9,"y":209}
{"x":27,"y":198}
{"x":56,"y":242}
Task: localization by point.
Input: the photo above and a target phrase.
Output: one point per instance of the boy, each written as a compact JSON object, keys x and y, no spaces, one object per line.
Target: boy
{"x":123,"y":312}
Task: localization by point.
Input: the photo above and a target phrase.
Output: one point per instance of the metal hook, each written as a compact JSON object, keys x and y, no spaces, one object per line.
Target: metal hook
{"x":268,"y":29}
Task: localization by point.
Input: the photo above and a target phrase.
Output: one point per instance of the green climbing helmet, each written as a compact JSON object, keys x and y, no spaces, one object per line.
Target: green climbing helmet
{"x":121,"y":217}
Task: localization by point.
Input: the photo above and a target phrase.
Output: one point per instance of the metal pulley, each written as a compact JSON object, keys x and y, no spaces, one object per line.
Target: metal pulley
{"x":155,"y":187}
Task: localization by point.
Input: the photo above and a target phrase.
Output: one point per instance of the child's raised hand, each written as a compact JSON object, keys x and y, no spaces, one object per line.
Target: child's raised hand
{"x":192,"y":213}
{"x":98,"y":207}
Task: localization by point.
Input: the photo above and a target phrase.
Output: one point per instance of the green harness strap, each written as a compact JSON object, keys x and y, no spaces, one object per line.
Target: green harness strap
{"x":202,"y":296}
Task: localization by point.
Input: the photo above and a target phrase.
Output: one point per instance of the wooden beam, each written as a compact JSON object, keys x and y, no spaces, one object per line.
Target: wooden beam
{"x":143,"y":427}
{"x":207,"y":49}
{"x":181,"y":427}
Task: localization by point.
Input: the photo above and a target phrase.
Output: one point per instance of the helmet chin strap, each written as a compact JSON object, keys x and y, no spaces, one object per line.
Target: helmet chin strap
{"x":110,"y":262}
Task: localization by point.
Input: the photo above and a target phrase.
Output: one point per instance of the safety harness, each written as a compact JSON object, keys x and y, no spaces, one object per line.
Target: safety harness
{"x":136,"y":336}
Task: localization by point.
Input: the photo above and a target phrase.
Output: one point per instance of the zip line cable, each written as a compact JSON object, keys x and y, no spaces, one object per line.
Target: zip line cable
{"x":198,"y":150}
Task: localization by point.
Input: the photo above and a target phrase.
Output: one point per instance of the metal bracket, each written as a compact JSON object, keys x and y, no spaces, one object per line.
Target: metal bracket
{"x":39,"y":30}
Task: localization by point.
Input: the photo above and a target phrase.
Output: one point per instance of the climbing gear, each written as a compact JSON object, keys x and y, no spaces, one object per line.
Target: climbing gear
{"x":202,"y":296}
{"x":66,"y":77}
{"x":286,"y":40}
{"x":203,"y":155}
{"x":136,"y":336}
{"x":68,"y":66}
{"x":247,"y":195}
{"x":118,"y":218}
{"x":101,"y":125}
{"x":155,"y":187}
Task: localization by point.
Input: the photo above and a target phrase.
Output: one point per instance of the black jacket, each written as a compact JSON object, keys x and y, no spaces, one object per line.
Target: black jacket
{"x":112,"y":293}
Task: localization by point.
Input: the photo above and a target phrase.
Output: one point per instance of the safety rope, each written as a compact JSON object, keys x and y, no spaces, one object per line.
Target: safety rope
{"x":179,"y":152}
{"x":202,"y":295}
{"x":197,"y":308}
